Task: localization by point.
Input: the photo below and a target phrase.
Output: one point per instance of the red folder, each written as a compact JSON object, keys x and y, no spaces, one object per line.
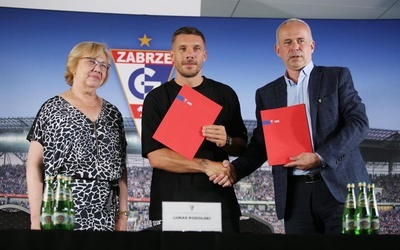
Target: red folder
{"x":286,"y":133}
{"x":180,"y":129}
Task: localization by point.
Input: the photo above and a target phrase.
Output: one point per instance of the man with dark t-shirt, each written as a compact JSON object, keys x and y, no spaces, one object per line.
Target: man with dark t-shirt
{"x":176,"y":178}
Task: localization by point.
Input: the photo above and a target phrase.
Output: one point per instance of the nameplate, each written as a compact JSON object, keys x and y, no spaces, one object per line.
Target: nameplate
{"x":191,"y":216}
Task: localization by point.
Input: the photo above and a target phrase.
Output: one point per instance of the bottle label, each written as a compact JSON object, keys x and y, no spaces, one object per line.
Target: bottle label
{"x":71,"y":219}
{"x":349,"y":224}
{"x":375,"y":224}
{"x":60,"y":218}
{"x":363,"y":224}
{"x":61,"y":196}
{"x":46,"y":218}
{"x":361,"y":202}
{"x":48,"y":198}
{"x":350,"y":204}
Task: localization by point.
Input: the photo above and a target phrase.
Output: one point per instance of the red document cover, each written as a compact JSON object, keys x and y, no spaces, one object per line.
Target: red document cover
{"x":286,"y":133}
{"x":180,"y":129}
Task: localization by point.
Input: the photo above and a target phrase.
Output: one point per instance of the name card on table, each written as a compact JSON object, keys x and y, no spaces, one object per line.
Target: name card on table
{"x":191,"y":216}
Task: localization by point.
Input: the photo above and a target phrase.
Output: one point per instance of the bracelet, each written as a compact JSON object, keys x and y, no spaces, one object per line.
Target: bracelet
{"x":126,"y":213}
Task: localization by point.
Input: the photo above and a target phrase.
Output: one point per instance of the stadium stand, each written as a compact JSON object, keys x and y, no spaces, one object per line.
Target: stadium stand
{"x":255,"y":192}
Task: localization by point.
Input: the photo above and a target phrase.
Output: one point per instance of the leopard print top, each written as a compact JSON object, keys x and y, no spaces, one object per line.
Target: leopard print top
{"x":93,"y":153}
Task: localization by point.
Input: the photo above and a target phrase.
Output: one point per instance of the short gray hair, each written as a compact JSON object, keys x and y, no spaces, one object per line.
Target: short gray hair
{"x":291,"y":20}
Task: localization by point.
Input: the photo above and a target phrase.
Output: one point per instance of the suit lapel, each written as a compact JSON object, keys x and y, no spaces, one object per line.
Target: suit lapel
{"x":281,"y":92}
{"x":314,"y":89}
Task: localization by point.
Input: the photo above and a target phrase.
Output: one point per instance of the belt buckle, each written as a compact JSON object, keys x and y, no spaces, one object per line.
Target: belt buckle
{"x":312,"y":177}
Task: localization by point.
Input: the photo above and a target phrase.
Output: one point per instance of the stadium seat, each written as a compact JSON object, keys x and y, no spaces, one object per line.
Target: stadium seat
{"x":252,"y":224}
{"x":14,"y":216}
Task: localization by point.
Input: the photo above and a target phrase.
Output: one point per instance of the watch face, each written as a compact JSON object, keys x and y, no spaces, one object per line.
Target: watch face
{"x":228,"y":140}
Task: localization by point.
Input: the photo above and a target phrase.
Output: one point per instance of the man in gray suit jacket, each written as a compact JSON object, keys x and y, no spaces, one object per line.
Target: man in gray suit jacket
{"x":311,"y":189}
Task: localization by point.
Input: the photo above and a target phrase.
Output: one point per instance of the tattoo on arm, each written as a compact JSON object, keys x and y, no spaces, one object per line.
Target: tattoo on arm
{"x":203,"y":163}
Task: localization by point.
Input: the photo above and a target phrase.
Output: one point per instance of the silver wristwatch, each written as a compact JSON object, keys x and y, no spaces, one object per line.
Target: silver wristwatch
{"x":228,"y":140}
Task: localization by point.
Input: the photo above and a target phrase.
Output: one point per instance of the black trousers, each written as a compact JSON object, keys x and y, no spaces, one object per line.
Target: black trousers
{"x":311,"y":209}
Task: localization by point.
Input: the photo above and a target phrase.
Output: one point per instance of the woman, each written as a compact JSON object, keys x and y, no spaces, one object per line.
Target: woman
{"x":81,"y":135}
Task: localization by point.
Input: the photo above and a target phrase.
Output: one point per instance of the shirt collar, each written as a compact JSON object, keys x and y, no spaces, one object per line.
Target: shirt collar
{"x":305,"y":71}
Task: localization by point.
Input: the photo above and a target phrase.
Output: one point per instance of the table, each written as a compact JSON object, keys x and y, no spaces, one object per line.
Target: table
{"x":60,"y":240}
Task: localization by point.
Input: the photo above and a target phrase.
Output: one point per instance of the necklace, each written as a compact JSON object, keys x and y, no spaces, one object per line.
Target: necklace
{"x":77,"y":98}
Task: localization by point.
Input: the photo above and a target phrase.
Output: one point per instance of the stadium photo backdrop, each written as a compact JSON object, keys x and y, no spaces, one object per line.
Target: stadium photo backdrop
{"x":35,"y":45}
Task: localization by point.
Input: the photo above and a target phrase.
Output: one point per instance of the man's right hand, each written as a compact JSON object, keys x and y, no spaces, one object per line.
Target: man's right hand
{"x":225,"y":180}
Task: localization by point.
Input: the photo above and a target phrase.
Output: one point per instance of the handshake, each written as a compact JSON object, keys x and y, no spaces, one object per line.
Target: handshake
{"x":221,"y":173}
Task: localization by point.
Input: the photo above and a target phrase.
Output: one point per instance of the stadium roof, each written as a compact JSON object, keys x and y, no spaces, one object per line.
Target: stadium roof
{"x":13,"y":124}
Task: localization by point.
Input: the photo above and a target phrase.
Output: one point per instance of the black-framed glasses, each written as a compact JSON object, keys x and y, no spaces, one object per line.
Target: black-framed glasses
{"x":93,"y":63}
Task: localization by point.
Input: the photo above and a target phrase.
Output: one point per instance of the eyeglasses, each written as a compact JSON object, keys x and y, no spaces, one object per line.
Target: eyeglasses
{"x":93,"y":63}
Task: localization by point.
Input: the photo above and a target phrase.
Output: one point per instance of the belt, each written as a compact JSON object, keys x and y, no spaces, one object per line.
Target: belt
{"x":313,"y":177}
{"x":112,"y":198}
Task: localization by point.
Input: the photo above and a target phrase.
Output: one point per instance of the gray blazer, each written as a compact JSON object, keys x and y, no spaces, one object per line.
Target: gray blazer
{"x":339,"y":124}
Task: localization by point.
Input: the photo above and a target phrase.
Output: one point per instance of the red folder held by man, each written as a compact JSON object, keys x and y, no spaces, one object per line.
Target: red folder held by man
{"x":180,"y":129}
{"x":286,"y":133}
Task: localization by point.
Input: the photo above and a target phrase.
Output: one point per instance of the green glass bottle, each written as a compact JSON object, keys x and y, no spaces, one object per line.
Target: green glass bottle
{"x":60,"y":212}
{"x":46,"y":213}
{"x":362,"y":217}
{"x":349,"y":210}
{"x":373,"y":207}
{"x":71,"y":209}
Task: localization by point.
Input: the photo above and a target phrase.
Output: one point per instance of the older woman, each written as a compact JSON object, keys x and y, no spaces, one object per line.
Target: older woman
{"x":79,"y":134}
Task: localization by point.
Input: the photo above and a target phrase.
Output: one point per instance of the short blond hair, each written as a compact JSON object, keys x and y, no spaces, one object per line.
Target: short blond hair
{"x":94,"y":49}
